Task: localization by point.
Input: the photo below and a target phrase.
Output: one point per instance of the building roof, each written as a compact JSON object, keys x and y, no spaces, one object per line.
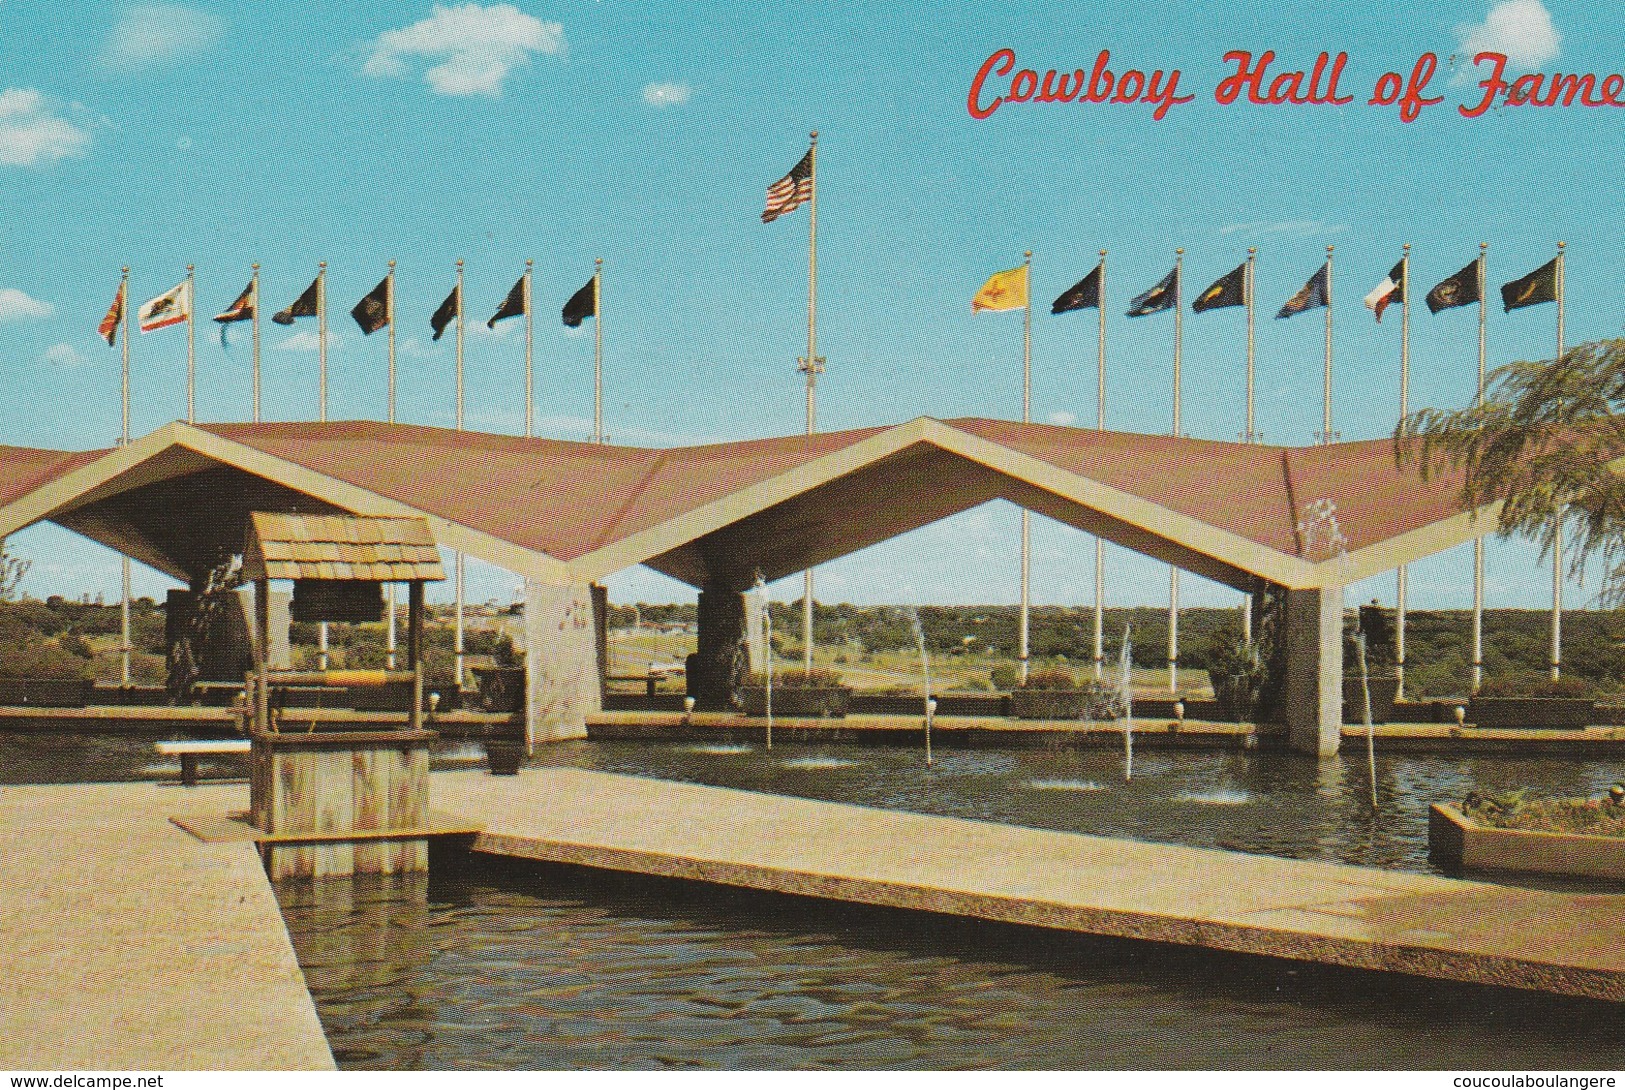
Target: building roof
{"x":563,"y":510}
{"x":342,"y":547}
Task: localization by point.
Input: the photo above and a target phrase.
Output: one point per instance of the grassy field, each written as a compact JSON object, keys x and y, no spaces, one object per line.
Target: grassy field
{"x":632,"y":651}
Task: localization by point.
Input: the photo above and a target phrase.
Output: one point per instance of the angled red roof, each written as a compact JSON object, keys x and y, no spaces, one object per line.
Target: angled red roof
{"x":23,"y":469}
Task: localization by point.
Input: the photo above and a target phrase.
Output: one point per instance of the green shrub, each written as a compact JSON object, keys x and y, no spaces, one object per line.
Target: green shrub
{"x":1050,"y":679}
{"x":1518,"y":810}
{"x":1004,"y":677}
{"x":1535,"y":685}
{"x":796,"y":679}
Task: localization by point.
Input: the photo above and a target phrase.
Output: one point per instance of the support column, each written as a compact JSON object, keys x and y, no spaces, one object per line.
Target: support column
{"x":756,"y":631}
{"x":714,"y":667}
{"x":1314,"y":670}
{"x":562,"y":683}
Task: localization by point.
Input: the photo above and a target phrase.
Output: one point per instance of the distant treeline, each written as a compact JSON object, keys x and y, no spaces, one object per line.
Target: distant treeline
{"x":1438,"y":643}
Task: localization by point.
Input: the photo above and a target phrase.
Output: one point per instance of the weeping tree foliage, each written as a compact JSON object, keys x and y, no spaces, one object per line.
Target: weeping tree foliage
{"x":1548,"y":444}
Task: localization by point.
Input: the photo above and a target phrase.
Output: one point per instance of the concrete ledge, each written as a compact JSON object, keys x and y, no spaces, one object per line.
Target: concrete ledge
{"x":1456,"y":843}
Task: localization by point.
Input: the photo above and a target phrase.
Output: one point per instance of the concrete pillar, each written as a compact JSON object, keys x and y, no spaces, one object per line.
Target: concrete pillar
{"x":562,"y":681}
{"x":756,"y":631}
{"x":717,"y":661}
{"x":1314,"y":670}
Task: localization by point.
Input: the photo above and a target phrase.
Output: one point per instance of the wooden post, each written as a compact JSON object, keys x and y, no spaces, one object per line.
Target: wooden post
{"x":262,"y":654}
{"x":414,"y":648}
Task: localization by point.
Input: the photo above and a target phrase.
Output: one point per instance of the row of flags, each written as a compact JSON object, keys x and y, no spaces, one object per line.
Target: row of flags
{"x":371,"y":314}
{"x":1007,"y":290}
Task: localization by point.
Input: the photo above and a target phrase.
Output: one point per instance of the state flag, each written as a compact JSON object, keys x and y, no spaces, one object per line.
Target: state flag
{"x":1539,"y":286}
{"x":1005,"y":290}
{"x":1387,"y":291}
{"x":1455,"y":291}
{"x":306,"y":306}
{"x":1164,"y":296}
{"x":372,"y":313}
{"x":1229,"y":290}
{"x":446,"y":312}
{"x":1083,"y":295}
{"x":791,"y":191}
{"x":171,"y":308}
{"x":115,"y":314}
{"x":240,"y":311}
{"x":1311,"y":295}
{"x":582,"y":305}
{"x":512,"y":306}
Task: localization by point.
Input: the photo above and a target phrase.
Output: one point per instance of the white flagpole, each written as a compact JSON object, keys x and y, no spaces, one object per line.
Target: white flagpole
{"x":1478,"y":542}
{"x":1557,"y":537}
{"x":321,"y":339}
{"x":1173,"y":571}
{"x":457,"y":646}
{"x":1327,"y":435}
{"x":811,"y":366}
{"x":529,"y":396}
{"x":321,"y":412}
{"x":1026,"y":418}
{"x":191,"y":355}
{"x":124,"y":441}
{"x":597,"y":350}
{"x":1251,"y":435}
{"x":389,"y":317}
{"x":1404,"y":411}
{"x":256,"y":320}
{"x":1100,"y":425}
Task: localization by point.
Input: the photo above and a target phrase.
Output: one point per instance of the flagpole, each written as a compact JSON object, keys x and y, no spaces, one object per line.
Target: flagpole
{"x":1251,"y":436}
{"x":1100,"y":426}
{"x":1404,"y":411}
{"x":321,"y":342}
{"x":1557,"y":536}
{"x":256,"y":320}
{"x":1173,"y":570}
{"x":457,"y":646}
{"x":1478,"y":542}
{"x":321,"y":414}
{"x":389,"y":317}
{"x":191,"y":355}
{"x":1327,"y":436}
{"x":597,"y":350}
{"x":529,"y":400}
{"x":1026,"y":418}
{"x":124,"y":441}
{"x":811,"y":367}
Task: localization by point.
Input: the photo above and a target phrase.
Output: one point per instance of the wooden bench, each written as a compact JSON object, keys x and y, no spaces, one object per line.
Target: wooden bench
{"x":189,"y":751}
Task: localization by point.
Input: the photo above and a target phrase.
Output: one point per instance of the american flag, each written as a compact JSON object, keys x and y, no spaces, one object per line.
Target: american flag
{"x":115,"y":314}
{"x":790,"y":191}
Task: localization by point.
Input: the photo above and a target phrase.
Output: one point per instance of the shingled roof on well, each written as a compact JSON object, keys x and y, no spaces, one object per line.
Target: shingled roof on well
{"x":340,"y":547}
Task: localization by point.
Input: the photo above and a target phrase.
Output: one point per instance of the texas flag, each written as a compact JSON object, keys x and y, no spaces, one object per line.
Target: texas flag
{"x":171,"y":308}
{"x":1387,"y":291}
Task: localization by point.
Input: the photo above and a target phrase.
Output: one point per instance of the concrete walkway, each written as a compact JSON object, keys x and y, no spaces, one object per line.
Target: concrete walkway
{"x":1373,"y":919}
{"x":126,"y":943}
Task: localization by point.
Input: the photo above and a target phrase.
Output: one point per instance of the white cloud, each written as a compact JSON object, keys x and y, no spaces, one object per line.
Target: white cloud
{"x":1285,"y":227}
{"x":63,"y":355}
{"x":16,"y":306}
{"x":477,"y":47}
{"x":1521,"y":29}
{"x":1063,"y":418}
{"x":661,"y":95}
{"x":154,"y":34}
{"x":31,"y":131}
{"x":307,"y":340}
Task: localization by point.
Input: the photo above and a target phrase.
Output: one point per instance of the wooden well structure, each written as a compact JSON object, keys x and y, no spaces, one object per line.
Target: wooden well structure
{"x":330,"y":803}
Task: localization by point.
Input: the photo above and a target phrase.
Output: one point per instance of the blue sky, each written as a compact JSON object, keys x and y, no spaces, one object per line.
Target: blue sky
{"x":226,"y":133}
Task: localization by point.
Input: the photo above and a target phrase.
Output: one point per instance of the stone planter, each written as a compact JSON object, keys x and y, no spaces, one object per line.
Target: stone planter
{"x":502,"y":688}
{"x":1384,"y":693}
{"x":1531,"y":712}
{"x":504,"y":757}
{"x":799,"y":702}
{"x":1056,"y":704}
{"x":1456,"y":843}
{"x":46,"y":692}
